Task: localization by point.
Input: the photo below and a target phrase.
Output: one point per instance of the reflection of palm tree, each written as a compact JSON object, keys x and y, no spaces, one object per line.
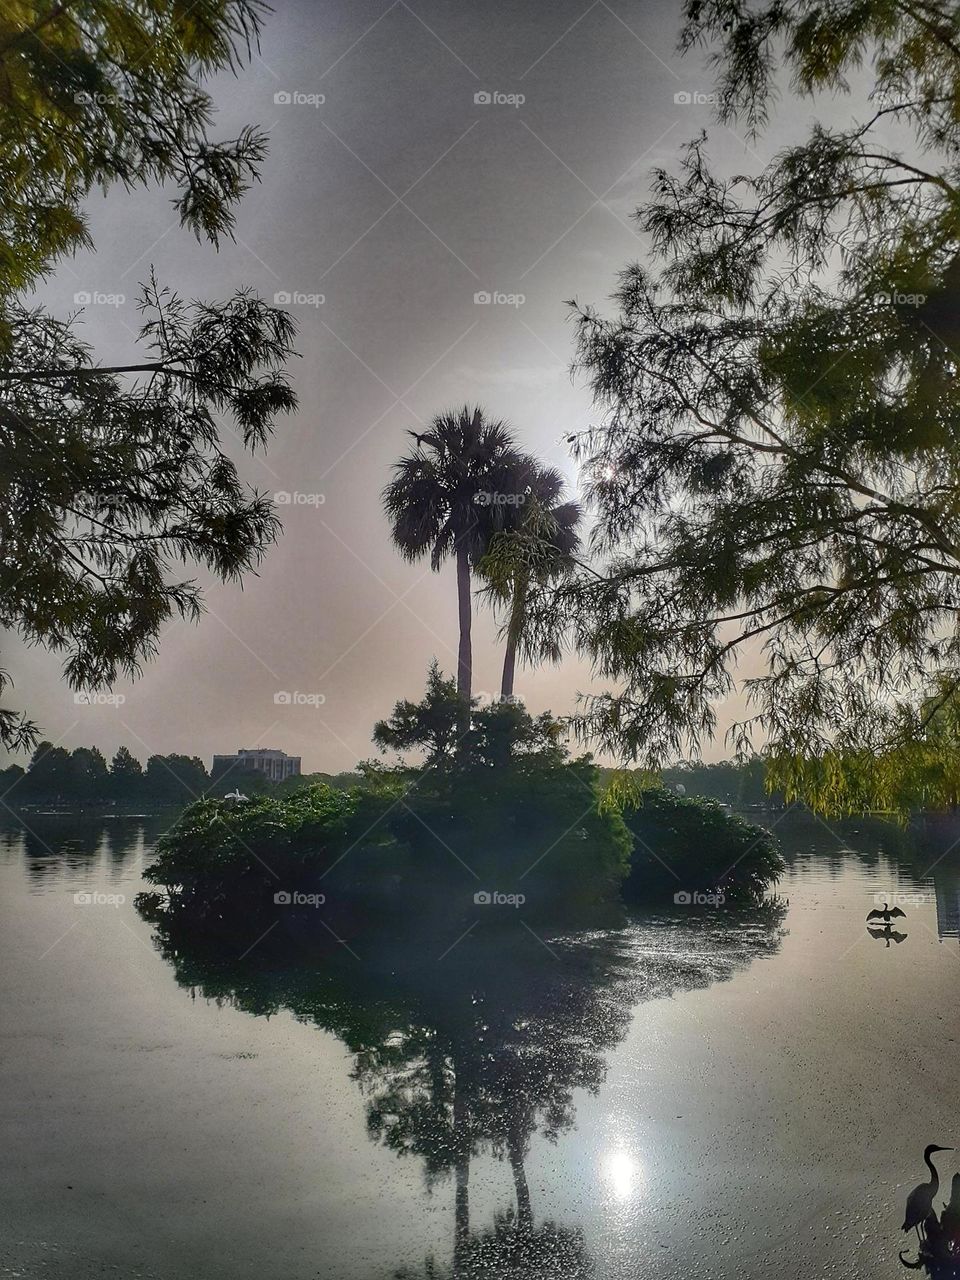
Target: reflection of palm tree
{"x":461,"y":1148}
{"x":515,"y":1153}
{"x":496,"y":1059}
{"x":442,"y":502}
{"x":537,"y":550}
{"x":481,"y":1078}
{"x":472,"y":1057}
{"x":503,"y":1251}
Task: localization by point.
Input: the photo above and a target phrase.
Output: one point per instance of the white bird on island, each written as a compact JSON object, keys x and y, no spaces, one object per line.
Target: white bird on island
{"x":235,"y":796}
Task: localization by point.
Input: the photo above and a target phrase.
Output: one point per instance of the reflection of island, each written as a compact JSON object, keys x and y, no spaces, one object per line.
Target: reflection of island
{"x":476,"y":1054}
{"x":54,"y":844}
{"x":946,"y":883}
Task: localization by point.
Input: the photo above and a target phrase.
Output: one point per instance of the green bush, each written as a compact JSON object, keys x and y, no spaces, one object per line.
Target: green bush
{"x":500,"y":809}
{"x":686,"y":844}
{"x":220,"y":847}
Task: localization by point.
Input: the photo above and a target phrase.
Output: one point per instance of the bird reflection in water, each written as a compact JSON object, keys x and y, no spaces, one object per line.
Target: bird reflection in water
{"x":938,"y":1254}
{"x":879,"y":924}
{"x":889,"y":935}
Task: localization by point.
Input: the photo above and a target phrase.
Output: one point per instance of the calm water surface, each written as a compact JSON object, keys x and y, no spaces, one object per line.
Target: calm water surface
{"x":677,"y":1098}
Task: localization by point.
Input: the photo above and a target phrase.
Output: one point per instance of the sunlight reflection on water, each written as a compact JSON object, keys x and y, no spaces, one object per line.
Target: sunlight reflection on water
{"x":623,"y":1174}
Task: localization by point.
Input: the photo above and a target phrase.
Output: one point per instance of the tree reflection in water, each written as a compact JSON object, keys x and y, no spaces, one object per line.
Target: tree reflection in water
{"x":476,"y":1053}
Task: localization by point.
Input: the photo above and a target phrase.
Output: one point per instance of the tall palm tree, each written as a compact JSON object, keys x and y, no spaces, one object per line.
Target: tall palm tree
{"x":445,"y":500}
{"x":538,"y":549}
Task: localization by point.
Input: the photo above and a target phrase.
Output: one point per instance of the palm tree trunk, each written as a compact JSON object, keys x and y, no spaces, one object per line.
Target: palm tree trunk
{"x":514,"y":630}
{"x":524,"y":1210}
{"x":465,"y":654}
{"x":461,"y":1215}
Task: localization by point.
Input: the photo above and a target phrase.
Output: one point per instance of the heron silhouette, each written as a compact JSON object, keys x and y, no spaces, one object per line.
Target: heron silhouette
{"x":887,"y":914}
{"x":920,"y":1199}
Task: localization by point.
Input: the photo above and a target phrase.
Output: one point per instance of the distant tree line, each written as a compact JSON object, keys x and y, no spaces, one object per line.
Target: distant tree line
{"x":737,"y":784}
{"x":83,"y":777}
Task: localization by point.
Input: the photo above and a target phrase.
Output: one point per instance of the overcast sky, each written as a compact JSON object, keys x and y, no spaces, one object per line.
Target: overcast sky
{"x":396,"y":199}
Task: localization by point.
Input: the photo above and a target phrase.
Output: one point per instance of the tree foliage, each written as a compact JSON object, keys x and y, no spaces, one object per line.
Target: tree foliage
{"x":499,"y":734}
{"x":81,"y":777}
{"x":443,"y":495}
{"x":429,"y":726}
{"x":459,"y":485}
{"x":685,"y":845}
{"x":103,"y":91}
{"x":537,"y":549}
{"x":776,"y":468}
{"x":106,"y":487}
{"x":113,"y":478}
{"x":734,"y":782}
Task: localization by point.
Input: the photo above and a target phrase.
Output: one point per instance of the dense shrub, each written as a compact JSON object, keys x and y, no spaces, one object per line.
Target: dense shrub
{"x":501,"y":809}
{"x":421,"y":841}
{"x":684,"y":844}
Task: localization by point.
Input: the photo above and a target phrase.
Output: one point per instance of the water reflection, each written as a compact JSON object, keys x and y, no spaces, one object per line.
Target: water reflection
{"x":53,"y":845}
{"x":624,"y":1175}
{"x":924,"y":857}
{"x":888,"y":934}
{"x":947,"y":887}
{"x":638,"y":1190}
{"x":478,"y":1054}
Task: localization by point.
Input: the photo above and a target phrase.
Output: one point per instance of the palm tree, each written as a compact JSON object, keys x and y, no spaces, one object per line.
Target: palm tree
{"x":446,"y":499}
{"x":537,"y":550}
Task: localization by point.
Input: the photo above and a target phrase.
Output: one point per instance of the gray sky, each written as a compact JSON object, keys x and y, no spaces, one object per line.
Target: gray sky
{"x":396,"y":199}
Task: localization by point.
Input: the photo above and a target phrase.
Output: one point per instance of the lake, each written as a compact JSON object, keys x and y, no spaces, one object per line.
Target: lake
{"x":678,"y":1095}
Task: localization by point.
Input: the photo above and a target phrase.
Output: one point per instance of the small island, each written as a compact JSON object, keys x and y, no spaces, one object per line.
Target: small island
{"x":497,"y":816}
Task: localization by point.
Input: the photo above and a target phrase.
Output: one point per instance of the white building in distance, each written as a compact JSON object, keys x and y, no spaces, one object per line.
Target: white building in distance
{"x":276,"y":765}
